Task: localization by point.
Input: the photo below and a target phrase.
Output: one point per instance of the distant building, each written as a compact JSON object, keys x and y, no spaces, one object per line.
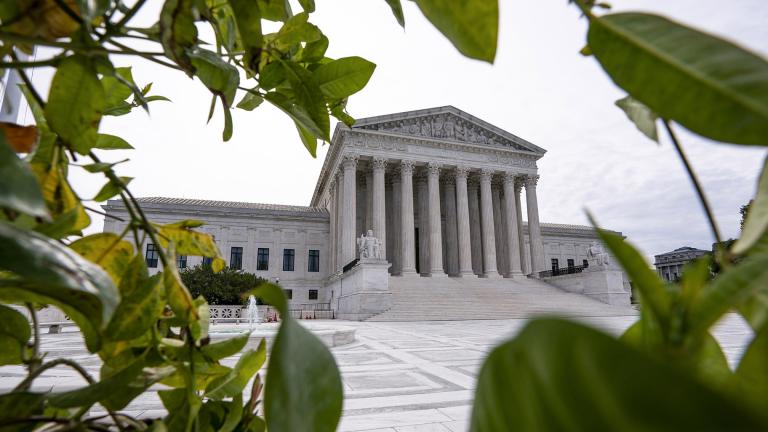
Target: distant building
{"x":669,"y":265}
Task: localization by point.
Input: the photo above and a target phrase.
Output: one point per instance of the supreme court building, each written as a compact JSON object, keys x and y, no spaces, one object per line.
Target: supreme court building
{"x":448,"y":196}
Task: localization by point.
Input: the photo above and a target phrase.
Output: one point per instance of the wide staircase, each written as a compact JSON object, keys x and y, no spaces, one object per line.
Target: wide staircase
{"x":435,"y":299}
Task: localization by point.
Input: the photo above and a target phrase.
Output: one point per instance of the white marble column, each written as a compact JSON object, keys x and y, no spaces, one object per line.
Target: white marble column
{"x":475,"y":229}
{"x":486,"y":210}
{"x":451,"y":230}
{"x":464,"y":242}
{"x":510,"y":214}
{"x":349,"y":210}
{"x":537,"y":247}
{"x":422,"y":199}
{"x":407,"y":242}
{"x":394,"y":213}
{"x":497,"y":228}
{"x":524,"y":263}
{"x":378,"y":212}
{"x":339,"y":211}
{"x":332,"y":219}
{"x":435,"y":232}
{"x":368,"y":202}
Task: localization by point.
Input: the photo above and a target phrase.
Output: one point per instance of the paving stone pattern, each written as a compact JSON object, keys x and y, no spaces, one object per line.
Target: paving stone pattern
{"x":398,"y":376}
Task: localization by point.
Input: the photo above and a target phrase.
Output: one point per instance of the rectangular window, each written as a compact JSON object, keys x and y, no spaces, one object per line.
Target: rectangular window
{"x":236,"y":258}
{"x":570,"y":263}
{"x":181,"y":261}
{"x":313,"y":294}
{"x":585,"y":263}
{"x":207,"y":261}
{"x":314,"y":261}
{"x":288,"y":294}
{"x":555,"y":264}
{"x":262,"y":259}
{"x":288,"y":255}
{"x":151,"y":256}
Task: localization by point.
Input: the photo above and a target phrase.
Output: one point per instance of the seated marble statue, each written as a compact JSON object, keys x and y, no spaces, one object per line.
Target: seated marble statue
{"x":368,"y":246}
{"x":597,"y":256}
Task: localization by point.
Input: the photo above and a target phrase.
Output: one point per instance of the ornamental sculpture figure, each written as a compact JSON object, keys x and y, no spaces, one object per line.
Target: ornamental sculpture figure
{"x":596,"y":255}
{"x":368,"y":246}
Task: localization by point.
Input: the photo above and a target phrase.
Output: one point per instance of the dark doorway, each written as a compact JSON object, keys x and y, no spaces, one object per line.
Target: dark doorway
{"x":416,"y":240}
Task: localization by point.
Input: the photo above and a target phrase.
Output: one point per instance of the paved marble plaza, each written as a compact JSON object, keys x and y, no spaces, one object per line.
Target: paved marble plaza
{"x":398,"y":376}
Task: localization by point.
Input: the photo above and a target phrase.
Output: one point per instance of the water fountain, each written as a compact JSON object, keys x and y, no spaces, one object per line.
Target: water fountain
{"x":329,"y":332}
{"x":252,"y":312}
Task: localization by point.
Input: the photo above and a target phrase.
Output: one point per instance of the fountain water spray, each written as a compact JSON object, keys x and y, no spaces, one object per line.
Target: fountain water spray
{"x":253,"y":312}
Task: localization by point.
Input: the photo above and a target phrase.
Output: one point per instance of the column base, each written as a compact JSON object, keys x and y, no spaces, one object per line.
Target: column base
{"x":491,"y":275}
{"x":408,"y":274}
{"x":436,"y":275}
{"x":466,"y":274}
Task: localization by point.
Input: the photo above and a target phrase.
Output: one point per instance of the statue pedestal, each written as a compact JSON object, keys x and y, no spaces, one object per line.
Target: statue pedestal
{"x":602,"y":283}
{"x":363,"y":291}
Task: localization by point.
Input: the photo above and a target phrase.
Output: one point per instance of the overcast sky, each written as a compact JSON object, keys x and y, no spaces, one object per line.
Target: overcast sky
{"x":540,"y":88}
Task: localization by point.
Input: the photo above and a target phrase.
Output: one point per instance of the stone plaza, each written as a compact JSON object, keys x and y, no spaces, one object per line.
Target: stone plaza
{"x":397,"y":376}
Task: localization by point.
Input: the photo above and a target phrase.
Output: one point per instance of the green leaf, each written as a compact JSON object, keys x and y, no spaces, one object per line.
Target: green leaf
{"x":756,"y":224}
{"x":20,"y":405}
{"x":19,"y":189}
{"x":199,"y":328}
{"x":643,"y":118}
{"x":107,"y":250}
{"x":178,"y":31}
{"x":111,"y":142}
{"x":655,"y":297}
{"x":234,"y":383}
{"x":43,"y":153}
{"x":177,"y":294}
{"x":14,"y":334}
{"x":307,"y":5}
{"x":341,"y":78}
{"x":303,"y":376}
{"x":75,"y":103}
{"x":115,"y":90}
{"x":182,"y":407}
{"x":225,"y":348}
{"x":103,"y":389}
{"x":275,"y":10}
{"x":250,"y":101}
{"x":248,"y":18}
{"x":729,"y":289}
{"x":138,"y":311}
{"x":50,"y":272}
{"x":710,"y":86}
{"x":472,"y":26}
{"x":397,"y":11}
{"x":220,"y":77}
{"x":309,"y":140}
{"x":555,"y":372}
{"x":226,"y":135}
{"x":296,"y":29}
{"x":752,"y":372}
{"x":110,"y":189}
{"x":307,"y":106}
{"x":187,"y":241}
{"x":314,"y":51}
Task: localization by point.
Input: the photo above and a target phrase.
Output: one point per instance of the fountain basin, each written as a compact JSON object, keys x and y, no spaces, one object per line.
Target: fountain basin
{"x":331,"y":334}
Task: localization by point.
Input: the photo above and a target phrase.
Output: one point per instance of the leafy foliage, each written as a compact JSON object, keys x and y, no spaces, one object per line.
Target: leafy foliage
{"x":227,"y":287}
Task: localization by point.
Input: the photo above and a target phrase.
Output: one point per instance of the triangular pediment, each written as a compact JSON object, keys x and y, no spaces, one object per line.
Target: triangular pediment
{"x":446,"y":123}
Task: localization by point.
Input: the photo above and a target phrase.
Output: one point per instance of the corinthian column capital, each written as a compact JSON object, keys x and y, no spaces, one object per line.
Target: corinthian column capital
{"x":406,"y":167}
{"x":379,"y":163}
{"x":462,"y":172}
{"x":434,"y":168}
{"x":486,"y":175}
{"x":349,"y":161}
{"x":510,"y":178}
{"x":531,"y":181}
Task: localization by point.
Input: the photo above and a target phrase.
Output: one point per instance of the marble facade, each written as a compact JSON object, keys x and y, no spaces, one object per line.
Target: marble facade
{"x":444,"y":192}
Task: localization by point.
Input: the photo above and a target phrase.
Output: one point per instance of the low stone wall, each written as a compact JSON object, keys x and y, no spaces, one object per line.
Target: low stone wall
{"x":604,"y":285}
